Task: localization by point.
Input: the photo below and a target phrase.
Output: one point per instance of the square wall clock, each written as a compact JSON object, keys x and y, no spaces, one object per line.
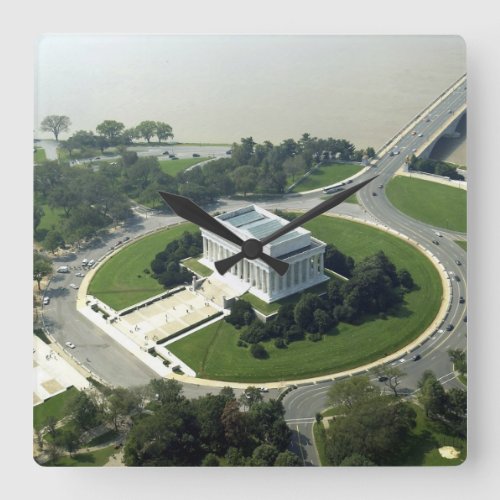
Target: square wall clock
{"x":250,"y":251}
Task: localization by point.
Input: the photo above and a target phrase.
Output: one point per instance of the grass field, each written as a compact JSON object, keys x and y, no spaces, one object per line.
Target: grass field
{"x":39,"y":155}
{"x":423,"y":444}
{"x":53,"y":407}
{"x":197,"y":267}
{"x":327,"y":175}
{"x":173,"y":167}
{"x":95,"y":458}
{"x":51,"y":218}
{"x":462,"y":244}
{"x":122,"y":282}
{"x":430,"y":202}
{"x":212,"y":352}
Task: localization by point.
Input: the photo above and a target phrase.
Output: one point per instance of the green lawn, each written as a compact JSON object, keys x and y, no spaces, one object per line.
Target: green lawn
{"x":430,"y":202}
{"x":51,"y":219}
{"x":122,"y":282}
{"x":320,"y":441}
{"x":212,"y":352}
{"x":327,"y":175}
{"x":53,"y":407}
{"x":39,"y":155}
{"x":173,"y":167}
{"x":425,"y":440}
{"x":197,"y":267}
{"x":462,"y":244}
{"x":96,"y":458}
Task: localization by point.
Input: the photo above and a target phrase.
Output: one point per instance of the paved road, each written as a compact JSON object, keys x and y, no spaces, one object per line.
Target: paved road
{"x":110,"y":361}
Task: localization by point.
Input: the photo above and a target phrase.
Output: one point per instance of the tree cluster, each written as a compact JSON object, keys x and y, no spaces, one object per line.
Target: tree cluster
{"x":89,"y":201}
{"x":211,"y":430}
{"x":375,"y":287}
{"x":165,"y":266}
{"x":370,"y":429}
{"x":436,"y":167}
{"x":449,"y":409}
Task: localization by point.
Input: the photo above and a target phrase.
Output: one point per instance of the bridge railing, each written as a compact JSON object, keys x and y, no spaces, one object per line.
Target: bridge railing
{"x":425,"y":111}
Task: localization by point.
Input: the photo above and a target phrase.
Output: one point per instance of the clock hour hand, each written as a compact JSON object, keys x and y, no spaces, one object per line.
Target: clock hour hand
{"x":190,"y":211}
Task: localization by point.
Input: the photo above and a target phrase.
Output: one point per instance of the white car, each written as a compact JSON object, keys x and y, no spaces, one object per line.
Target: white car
{"x":420,"y":135}
{"x":80,"y":275}
{"x":46,"y":301}
{"x":439,"y":234}
{"x":70,"y":344}
{"x":414,"y":150}
{"x":85,"y":262}
{"x":263,"y":389}
{"x":72,"y":285}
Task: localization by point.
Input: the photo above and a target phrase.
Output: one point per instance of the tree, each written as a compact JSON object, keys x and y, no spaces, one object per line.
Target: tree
{"x":53,"y":240}
{"x":69,"y":439}
{"x":245,"y":179}
{"x":287,"y":459}
{"x":433,"y":398}
{"x":250,"y":396}
{"x":146,"y":129}
{"x":392,"y":377}
{"x":120,"y":403}
{"x":38,"y":213}
{"x":356,"y":460}
{"x":295,"y":165}
{"x":111,"y":130}
{"x":165,"y":391}
{"x":42,"y":266}
{"x":370,"y":152}
{"x":456,"y":414}
{"x":85,"y":410}
{"x":322,"y":321}
{"x":264,"y":455}
{"x":459,"y":359}
{"x":210,"y":460}
{"x":51,"y":425}
{"x":377,"y":429}
{"x":163,"y":131}
{"x":338,"y":262}
{"x":304,"y":311}
{"x":258,"y":351}
{"x":406,"y":279}
{"x":235,"y":425}
{"x":350,"y":392}
{"x":55,"y":124}
{"x":242,"y":313}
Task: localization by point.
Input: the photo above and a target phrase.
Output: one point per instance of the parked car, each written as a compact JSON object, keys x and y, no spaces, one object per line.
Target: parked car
{"x":458,"y":263}
{"x":461,"y":300}
{"x":70,"y":344}
{"x":165,"y":153}
{"x":229,"y":151}
{"x":374,"y":193}
{"x":63,"y":269}
{"x":436,"y":242}
{"x":465,"y":318}
{"x":383,"y":378}
{"x":126,"y":238}
{"x":420,"y":135}
{"x":196,"y":155}
{"x":72,"y":285}
{"x":80,"y":275}
{"x":85,"y":262}
{"x":416,"y":357}
{"x":439,"y":234}
{"x":46,"y":301}
{"x":263,"y":389}
{"x":414,"y":150}
{"x":380,"y":186}
{"x":457,"y":278}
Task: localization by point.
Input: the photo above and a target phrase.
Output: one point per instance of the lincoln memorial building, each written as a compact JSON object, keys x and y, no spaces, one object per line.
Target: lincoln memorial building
{"x":303,"y":252}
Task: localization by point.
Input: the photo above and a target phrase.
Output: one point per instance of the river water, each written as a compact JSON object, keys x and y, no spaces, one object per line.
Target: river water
{"x":220,"y":88}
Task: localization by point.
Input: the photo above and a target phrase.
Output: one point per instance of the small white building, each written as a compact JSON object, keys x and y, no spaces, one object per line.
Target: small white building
{"x":303,"y":252}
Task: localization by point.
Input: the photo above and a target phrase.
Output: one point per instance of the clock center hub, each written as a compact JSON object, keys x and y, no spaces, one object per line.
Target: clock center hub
{"x":252,"y":249}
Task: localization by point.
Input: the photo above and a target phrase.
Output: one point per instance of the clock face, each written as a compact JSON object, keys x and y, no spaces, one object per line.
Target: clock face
{"x":286,"y":286}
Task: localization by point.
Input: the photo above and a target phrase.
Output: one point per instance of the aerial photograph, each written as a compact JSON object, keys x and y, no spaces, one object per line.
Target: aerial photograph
{"x":249,"y":250}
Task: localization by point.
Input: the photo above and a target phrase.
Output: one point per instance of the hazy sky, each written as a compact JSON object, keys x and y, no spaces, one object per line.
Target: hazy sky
{"x":222,"y":88}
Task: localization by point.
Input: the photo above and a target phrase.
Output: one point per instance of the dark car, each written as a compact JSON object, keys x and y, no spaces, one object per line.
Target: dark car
{"x":174,"y":158}
{"x":458,"y":263}
{"x":383,"y":378}
{"x":380,"y":186}
{"x":126,"y":238}
{"x":416,"y":357}
{"x":461,"y":300}
{"x":166,"y":153}
{"x":230,"y":151}
{"x":196,"y":155}
{"x":436,"y":242}
{"x":457,"y":278}
{"x":449,"y":328}
{"x":465,"y":319}
{"x":374,"y":194}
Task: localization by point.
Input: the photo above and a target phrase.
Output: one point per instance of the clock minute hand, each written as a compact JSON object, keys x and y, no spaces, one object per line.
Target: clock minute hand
{"x":314,"y":212}
{"x":190,"y":211}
